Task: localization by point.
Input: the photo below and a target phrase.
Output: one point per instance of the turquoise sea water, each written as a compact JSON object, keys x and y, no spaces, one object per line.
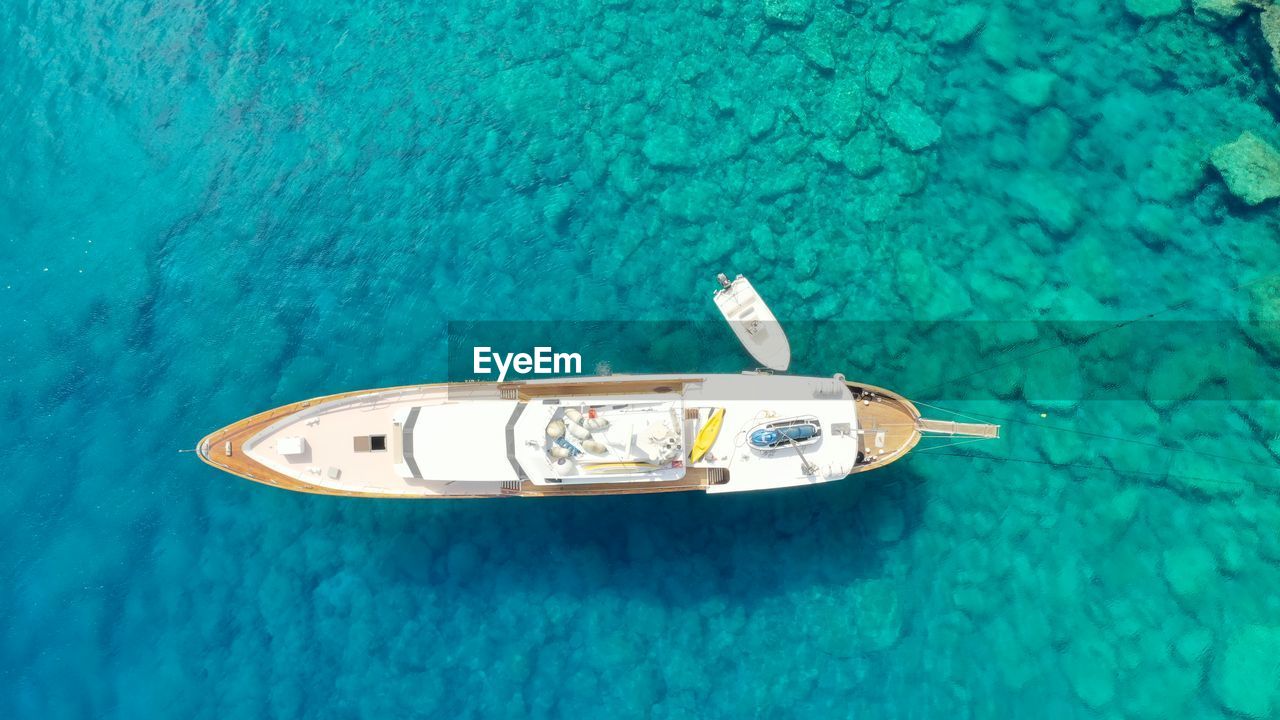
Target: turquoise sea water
{"x":211,"y":208}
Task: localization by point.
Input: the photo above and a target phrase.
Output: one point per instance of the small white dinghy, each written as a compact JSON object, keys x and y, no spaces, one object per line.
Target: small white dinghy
{"x":754,"y":324}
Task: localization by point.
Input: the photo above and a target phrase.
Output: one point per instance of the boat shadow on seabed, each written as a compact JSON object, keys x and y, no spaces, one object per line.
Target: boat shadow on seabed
{"x":752,"y":545}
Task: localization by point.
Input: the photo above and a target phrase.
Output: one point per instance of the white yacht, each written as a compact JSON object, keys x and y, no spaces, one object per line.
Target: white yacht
{"x":578,"y":436}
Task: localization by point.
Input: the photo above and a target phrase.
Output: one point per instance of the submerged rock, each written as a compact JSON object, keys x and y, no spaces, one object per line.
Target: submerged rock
{"x":1246,"y":675}
{"x":844,"y":107}
{"x":1047,"y":201}
{"x":590,"y":68}
{"x":762,"y":237}
{"x":1250,"y":167}
{"x":862,"y":154}
{"x":1189,"y":570}
{"x":761,"y":122}
{"x":557,"y":210}
{"x":1118,"y":514}
{"x":1263,"y":317}
{"x":1009,"y":654}
{"x":1176,"y":170}
{"x":829,"y":150}
{"x":912,"y":126}
{"x":669,"y":147}
{"x":1149,"y":9}
{"x":1159,"y":223}
{"x":788,"y":13}
{"x":1270,"y":23}
{"x":876,"y":614}
{"x":1232,"y":557}
{"x":999,"y":39}
{"x":1194,"y":644}
{"x":692,"y":203}
{"x":1032,"y":88}
{"x":1161,"y":688}
{"x":816,"y":48}
{"x":626,"y":175}
{"x":1197,"y":475}
{"x":883,"y":71}
{"x":1090,"y":667}
{"x":934,"y":293}
{"x":790,"y":180}
{"x":1049,"y":137}
{"x":904,"y":174}
{"x":883,"y":518}
{"x":960,"y":23}
{"x":1219,"y":11}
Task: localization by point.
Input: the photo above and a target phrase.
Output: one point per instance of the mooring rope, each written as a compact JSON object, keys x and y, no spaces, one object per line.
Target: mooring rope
{"x":1089,"y":337}
{"x":985,"y":417}
{"x":1104,"y":436}
{"x":1106,"y":468}
{"x":953,"y":443}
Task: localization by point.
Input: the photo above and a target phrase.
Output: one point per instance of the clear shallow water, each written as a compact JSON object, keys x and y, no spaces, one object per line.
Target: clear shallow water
{"x":213,"y":208}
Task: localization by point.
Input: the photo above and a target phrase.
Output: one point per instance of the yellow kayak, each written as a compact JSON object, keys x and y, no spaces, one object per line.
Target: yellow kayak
{"x":707,"y":435}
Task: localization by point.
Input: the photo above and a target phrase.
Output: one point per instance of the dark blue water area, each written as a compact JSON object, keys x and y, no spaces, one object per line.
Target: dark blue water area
{"x":211,"y":208}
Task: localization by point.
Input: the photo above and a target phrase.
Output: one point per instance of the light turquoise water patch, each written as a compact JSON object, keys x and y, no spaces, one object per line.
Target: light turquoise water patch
{"x":208,"y":209}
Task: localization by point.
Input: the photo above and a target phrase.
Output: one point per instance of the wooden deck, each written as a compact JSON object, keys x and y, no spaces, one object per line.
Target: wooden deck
{"x":888,"y":425}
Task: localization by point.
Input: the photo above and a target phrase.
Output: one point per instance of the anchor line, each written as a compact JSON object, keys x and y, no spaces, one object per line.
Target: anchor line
{"x":1102,"y":436}
{"x":984,"y":417}
{"x":1087,"y":338}
{"x":1104,"y":468}
{"x":929,"y":449}
{"x":1041,"y":351}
